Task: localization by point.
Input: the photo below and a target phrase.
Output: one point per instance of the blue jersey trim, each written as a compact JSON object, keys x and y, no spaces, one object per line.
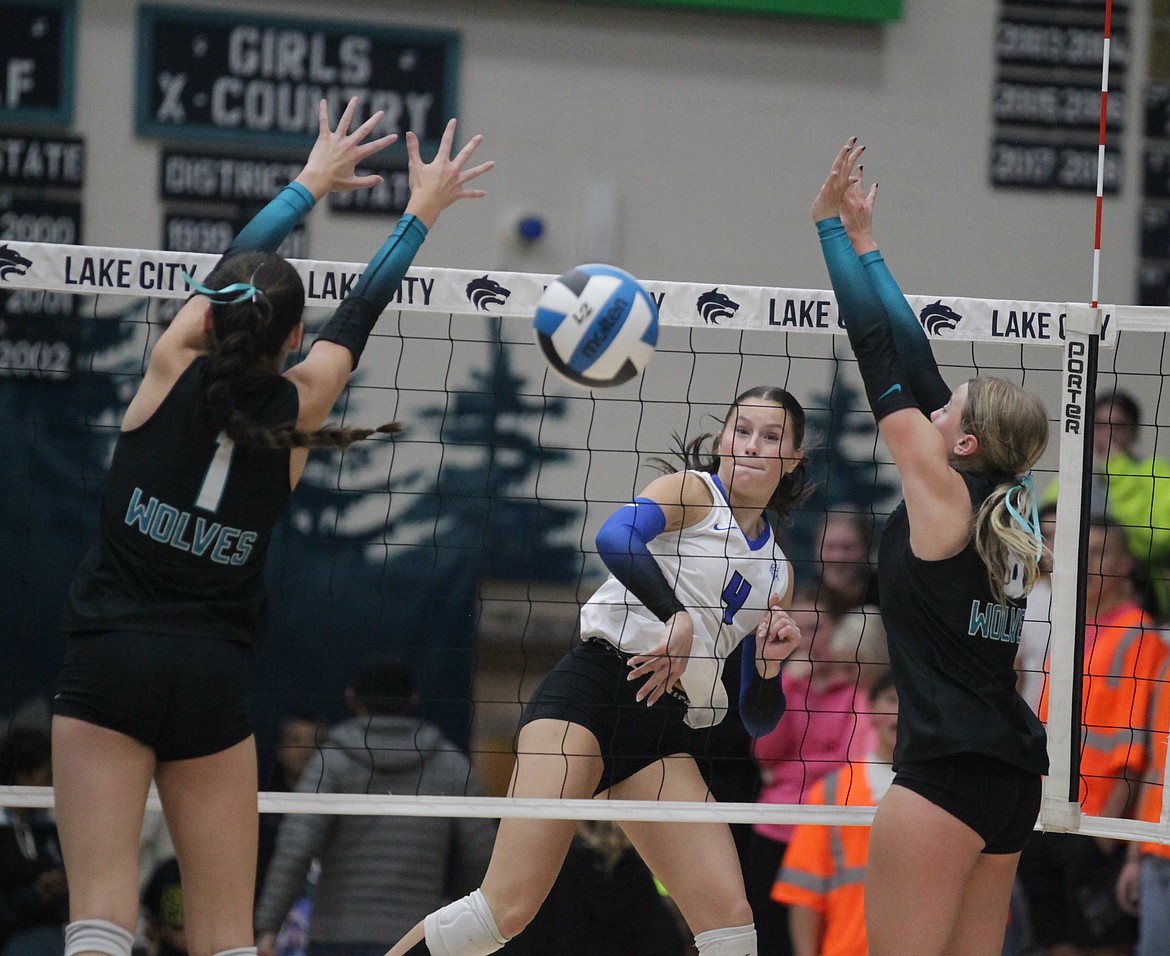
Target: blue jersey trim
{"x":754,"y":543}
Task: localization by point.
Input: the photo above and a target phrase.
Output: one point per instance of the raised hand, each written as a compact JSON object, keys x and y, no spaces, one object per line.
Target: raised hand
{"x":777,"y":636}
{"x":436,"y":185}
{"x":857,"y":213}
{"x":666,"y":661}
{"x":828,"y":200}
{"x":332,"y":164}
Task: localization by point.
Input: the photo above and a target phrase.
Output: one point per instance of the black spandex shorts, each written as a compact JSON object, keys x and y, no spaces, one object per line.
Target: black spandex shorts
{"x":183,"y":697}
{"x":997,"y":800}
{"x":588,"y":687}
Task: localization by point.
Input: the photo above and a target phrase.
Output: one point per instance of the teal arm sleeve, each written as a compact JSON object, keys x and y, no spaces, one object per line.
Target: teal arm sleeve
{"x":909,"y":337}
{"x":384,"y":274}
{"x":354,"y":319}
{"x":857,"y":300}
{"x":865,"y":320}
{"x":272,"y":224}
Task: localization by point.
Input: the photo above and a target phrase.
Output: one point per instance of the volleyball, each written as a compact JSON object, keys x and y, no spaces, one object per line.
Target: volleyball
{"x":596,"y":326}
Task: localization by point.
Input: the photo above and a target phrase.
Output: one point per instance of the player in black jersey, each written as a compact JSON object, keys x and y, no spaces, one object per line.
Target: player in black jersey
{"x":164,"y":612}
{"x":956,"y":559}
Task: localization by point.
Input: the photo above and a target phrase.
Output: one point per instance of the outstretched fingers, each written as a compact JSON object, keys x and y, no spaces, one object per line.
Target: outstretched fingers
{"x":828,"y":200}
{"x":467,"y":175}
{"x":413,"y":158}
{"x":332,"y":163}
{"x":366,"y":128}
{"x":363,"y":150}
{"x":843,"y":163}
{"x":468,"y":148}
{"x":856,"y":212}
{"x":857,"y":183}
{"x":847,"y":158}
{"x":437,"y":184}
{"x":447,"y":138}
{"x":346,"y":116}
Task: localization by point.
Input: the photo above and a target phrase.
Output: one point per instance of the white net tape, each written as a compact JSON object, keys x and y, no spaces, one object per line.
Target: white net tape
{"x":144,"y":272}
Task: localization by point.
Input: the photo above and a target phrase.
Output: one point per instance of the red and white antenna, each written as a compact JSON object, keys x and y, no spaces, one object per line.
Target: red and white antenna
{"x":1101,"y":151}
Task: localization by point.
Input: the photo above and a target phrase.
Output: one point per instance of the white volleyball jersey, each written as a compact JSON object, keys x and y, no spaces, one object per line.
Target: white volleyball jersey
{"x":724,"y":580}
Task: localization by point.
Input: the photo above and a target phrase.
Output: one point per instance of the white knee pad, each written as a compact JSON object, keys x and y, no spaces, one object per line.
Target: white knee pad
{"x":729,"y":941}
{"x":97,"y":936}
{"x":463,"y":928}
{"x":238,"y":951}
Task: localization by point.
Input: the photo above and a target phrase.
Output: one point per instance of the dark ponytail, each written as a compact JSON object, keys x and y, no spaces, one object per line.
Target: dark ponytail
{"x":261,"y":303}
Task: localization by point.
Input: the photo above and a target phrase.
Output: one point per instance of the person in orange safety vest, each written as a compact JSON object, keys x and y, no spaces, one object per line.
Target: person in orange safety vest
{"x":1072,"y":910}
{"x":1143,"y":888}
{"x":822,"y":878}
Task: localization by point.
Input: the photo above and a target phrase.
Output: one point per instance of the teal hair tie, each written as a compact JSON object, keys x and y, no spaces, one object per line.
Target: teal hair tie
{"x":243,"y":291}
{"x":1032,"y":523}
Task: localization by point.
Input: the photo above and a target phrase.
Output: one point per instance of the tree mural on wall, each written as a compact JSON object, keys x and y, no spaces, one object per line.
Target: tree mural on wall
{"x":408,"y":584}
{"x":481,"y":506}
{"x":57,"y":436}
{"x":344,"y":584}
{"x":843,"y":462}
{"x":340,"y":588}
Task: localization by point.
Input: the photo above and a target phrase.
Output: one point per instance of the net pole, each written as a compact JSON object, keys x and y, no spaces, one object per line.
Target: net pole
{"x":1061,"y":807}
{"x":1083,"y":330}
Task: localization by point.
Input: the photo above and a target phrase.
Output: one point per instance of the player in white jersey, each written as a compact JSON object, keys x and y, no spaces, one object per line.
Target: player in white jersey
{"x":715,"y":548}
{"x":694,"y":572}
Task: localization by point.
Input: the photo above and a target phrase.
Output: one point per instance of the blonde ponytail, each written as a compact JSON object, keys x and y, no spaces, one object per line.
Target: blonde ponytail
{"x":1008,"y":539}
{"x":1012,"y":428}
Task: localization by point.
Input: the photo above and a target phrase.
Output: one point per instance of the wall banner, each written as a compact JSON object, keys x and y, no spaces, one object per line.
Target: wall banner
{"x":37,"y":48}
{"x":258,"y":80}
{"x":38,"y":332}
{"x":40,"y":161}
{"x":1046,"y":100}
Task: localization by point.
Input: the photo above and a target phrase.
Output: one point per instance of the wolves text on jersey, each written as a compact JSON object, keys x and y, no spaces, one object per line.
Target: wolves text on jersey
{"x":168,"y":525}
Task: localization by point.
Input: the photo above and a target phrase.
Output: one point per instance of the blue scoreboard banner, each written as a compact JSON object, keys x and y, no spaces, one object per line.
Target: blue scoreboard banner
{"x":258,"y":80}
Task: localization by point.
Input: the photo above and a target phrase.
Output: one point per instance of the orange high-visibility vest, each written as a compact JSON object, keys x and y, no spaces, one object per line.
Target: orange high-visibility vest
{"x":1150,"y":807}
{"x":824,"y":866}
{"x":1115,"y":700}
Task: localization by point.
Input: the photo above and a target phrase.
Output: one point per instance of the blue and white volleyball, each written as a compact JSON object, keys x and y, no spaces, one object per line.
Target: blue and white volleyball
{"x":596,"y":326}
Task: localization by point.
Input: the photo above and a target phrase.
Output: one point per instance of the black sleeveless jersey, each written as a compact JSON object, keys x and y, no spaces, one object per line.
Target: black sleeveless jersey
{"x":186,"y":518}
{"x":952,"y":650}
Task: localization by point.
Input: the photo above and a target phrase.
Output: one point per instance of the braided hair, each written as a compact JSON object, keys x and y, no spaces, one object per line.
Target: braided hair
{"x":250,"y":328}
{"x":793,"y":488}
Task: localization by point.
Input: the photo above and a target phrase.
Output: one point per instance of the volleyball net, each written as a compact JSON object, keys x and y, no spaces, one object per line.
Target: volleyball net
{"x":465,"y":545}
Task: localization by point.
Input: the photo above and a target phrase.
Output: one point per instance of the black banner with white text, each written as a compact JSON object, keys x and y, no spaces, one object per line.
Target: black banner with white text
{"x":259,"y":80}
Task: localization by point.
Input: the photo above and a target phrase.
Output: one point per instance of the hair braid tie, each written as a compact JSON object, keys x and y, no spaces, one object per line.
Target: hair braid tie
{"x":228,"y":295}
{"x":1031,"y":523}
